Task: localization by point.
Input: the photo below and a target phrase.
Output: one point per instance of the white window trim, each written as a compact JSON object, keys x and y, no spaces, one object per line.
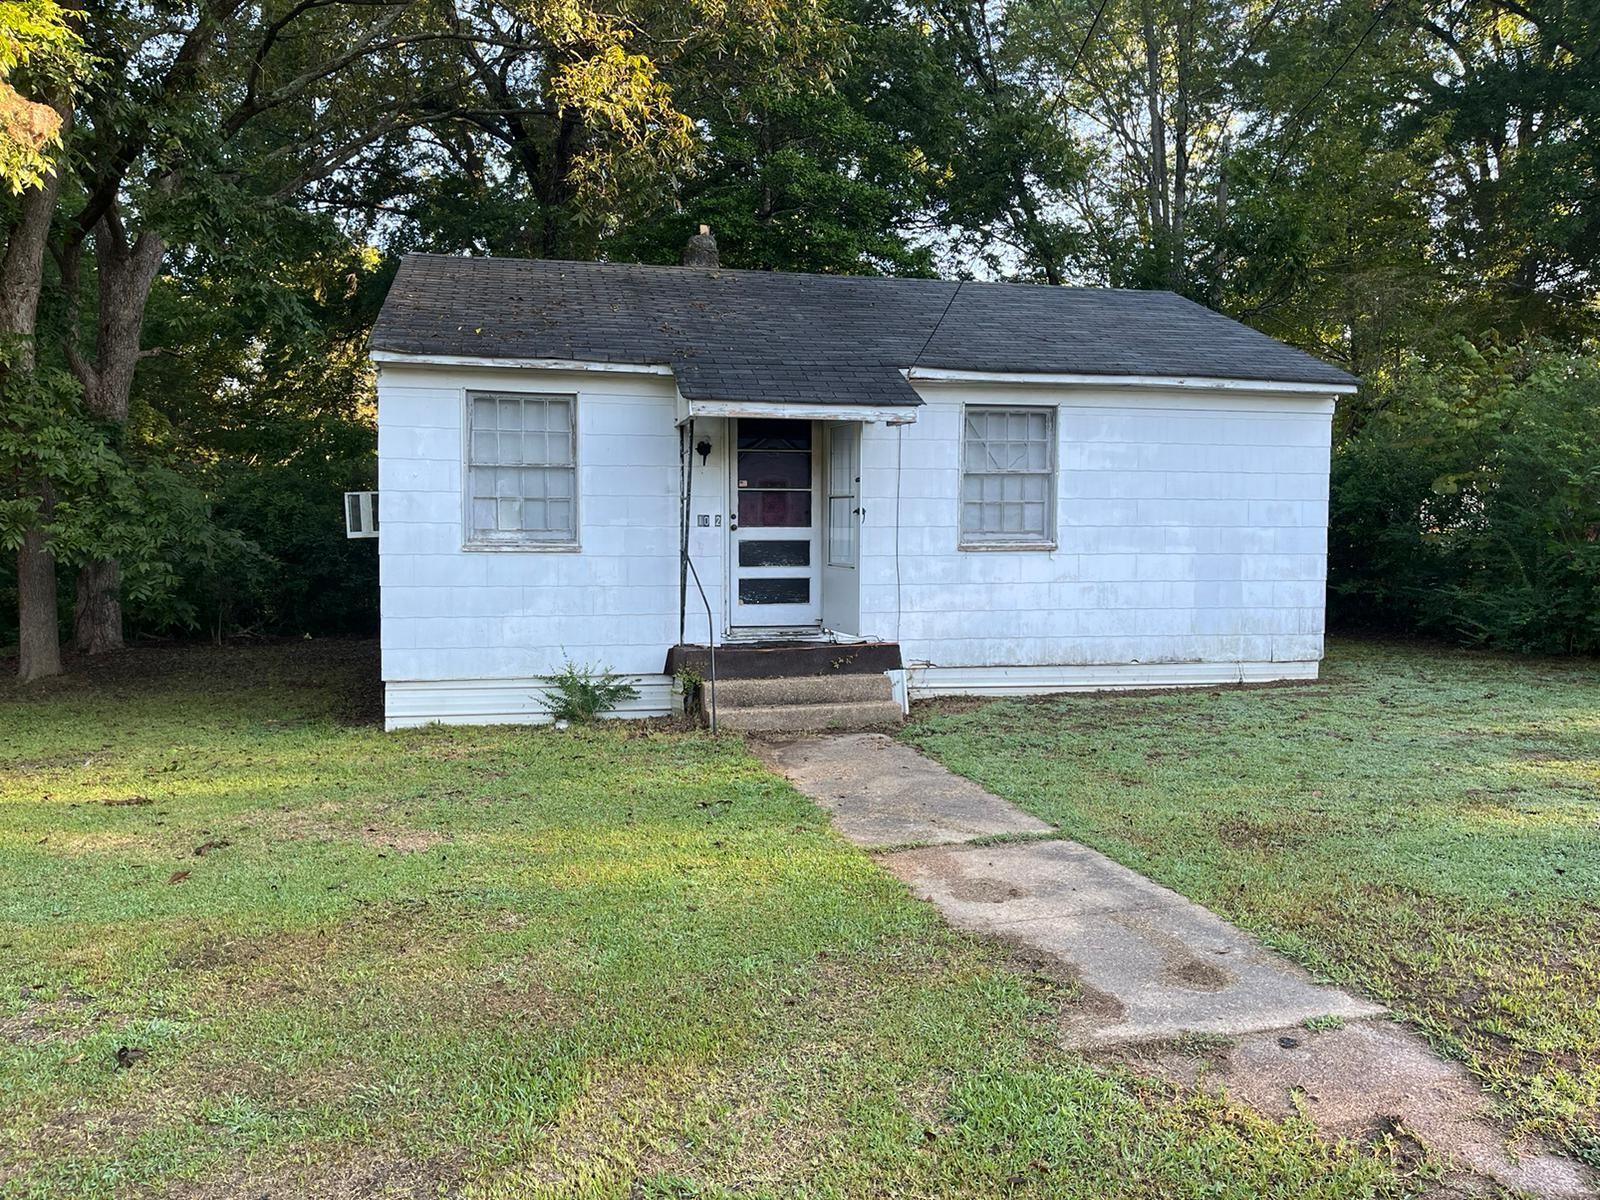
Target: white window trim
{"x":1052,"y":499}
{"x":517,"y":544}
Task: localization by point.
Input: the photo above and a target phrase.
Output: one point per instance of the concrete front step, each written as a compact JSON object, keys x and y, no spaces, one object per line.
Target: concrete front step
{"x":774,"y":659}
{"x":799,"y":689}
{"x":810,"y":718}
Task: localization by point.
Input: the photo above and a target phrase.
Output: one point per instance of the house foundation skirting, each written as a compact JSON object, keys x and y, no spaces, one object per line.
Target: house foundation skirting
{"x":925,"y":682}
{"x":409,"y":703}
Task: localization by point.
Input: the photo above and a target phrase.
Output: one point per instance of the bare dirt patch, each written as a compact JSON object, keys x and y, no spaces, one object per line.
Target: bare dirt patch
{"x":314,"y":825}
{"x":1272,"y":834}
{"x":47,"y":1016}
{"x":70,"y":1133}
{"x":1200,"y":976}
{"x":402,"y":841}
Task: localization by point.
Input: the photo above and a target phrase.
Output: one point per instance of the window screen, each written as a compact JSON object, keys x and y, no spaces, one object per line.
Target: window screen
{"x":844,"y":499}
{"x":521,"y":468}
{"x":1008,"y":476}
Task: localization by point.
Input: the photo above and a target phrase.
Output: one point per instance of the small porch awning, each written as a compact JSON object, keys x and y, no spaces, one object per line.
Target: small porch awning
{"x":836,"y":390}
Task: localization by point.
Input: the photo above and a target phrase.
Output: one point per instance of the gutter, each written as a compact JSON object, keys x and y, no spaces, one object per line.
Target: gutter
{"x":1185,"y":383}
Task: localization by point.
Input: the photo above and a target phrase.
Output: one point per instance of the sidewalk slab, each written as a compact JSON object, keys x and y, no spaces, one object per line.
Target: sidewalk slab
{"x":883,"y":794}
{"x":1161,"y":964}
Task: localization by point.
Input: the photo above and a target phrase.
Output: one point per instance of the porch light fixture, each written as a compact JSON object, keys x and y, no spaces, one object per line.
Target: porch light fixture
{"x":703,"y":449}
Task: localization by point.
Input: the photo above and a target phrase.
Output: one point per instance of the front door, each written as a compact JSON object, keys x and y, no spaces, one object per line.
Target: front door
{"x":773,"y":556}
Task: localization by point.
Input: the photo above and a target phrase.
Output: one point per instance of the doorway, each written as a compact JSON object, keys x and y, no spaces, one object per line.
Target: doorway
{"x":775,"y":571}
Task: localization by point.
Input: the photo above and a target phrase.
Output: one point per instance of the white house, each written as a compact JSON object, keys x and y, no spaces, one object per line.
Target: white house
{"x":867,"y":488}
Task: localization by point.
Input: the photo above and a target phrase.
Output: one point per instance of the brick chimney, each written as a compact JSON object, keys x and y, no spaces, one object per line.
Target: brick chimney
{"x":701,"y":250}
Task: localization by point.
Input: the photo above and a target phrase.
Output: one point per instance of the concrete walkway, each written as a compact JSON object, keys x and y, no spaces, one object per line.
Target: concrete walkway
{"x":1157,"y":969}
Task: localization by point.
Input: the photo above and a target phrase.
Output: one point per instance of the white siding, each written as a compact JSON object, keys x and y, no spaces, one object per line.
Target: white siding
{"x":1192,"y":529}
{"x":494,"y":622}
{"x":1191,"y":546}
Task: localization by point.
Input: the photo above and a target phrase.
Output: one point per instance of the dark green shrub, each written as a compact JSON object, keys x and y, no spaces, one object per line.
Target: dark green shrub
{"x":1469,"y":504}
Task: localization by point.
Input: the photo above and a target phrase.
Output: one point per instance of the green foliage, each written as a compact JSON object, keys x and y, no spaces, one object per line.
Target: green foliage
{"x":581,"y":694}
{"x":39,"y":39}
{"x":104,"y":502}
{"x":267,"y":395}
{"x":1003,"y":161}
{"x":51,"y":456}
{"x":1469,"y":505}
{"x":813,"y":175}
{"x":180,"y":562}
{"x":579,"y":123}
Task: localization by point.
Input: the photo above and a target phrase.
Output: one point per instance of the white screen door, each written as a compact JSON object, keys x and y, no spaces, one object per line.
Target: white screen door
{"x":841,"y":475}
{"x":773,"y":538}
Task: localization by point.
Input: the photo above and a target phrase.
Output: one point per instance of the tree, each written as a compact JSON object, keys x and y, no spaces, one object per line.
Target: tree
{"x":41,"y":60}
{"x":999,"y":162}
{"x":811,"y":174}
{"x":1512,"y":101}
{"x":221,"y":114}
{"x":1469,"y":505}
{"x":567,"y":130}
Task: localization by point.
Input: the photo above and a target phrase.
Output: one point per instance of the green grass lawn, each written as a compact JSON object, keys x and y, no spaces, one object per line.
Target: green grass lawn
{"x":617,"y":962}
{"x":1422,"y":822}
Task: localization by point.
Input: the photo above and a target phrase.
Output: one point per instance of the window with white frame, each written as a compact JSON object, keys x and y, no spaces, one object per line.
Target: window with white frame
{"x":522,"y":469}
{"x":1008,"y":477}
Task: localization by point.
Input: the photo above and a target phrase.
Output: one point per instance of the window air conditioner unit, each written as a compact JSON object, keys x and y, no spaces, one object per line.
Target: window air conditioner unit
{"x":361,"y":514}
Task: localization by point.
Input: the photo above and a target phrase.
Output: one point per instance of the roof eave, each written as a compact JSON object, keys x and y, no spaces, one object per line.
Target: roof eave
{"x":870,"y":413}
{"x":1187,"y":383}
{"x":399,"y":357}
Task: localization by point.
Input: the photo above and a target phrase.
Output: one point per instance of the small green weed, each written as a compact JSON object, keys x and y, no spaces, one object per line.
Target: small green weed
{"x":581,"y":694}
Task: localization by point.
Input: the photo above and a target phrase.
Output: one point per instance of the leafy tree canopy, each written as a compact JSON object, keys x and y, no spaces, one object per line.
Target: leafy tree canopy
{"x":41,"y":47}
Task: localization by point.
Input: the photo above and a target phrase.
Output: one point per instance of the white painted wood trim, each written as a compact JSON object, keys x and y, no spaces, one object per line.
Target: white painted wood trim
{"x":394,"y":357}
{"x":927,"y":681}
{"x":1170,"y":382}
{"x":410,"y":703}
{"x":799,"y":412}
{"x":898,"y":690}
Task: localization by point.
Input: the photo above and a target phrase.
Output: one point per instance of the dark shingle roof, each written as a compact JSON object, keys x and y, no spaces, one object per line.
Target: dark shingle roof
{"x":813,"y":339}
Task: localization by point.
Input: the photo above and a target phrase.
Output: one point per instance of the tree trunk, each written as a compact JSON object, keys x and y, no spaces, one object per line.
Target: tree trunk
{"x":1219,"y":255}
{"x":97,"y":612}
{"x":1178,"y":263}
{"x":38,"y":633}
{"x":1157,"y":183}
{"x":555,"y":189}
{"x":22,"y":267}
{"x":21,"y":277}
{"x":97,"y":620}
{"x":125,"y":275}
